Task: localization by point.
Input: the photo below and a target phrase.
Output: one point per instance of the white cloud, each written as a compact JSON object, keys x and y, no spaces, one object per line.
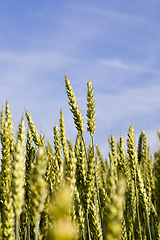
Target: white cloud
{"x":47,"y":59}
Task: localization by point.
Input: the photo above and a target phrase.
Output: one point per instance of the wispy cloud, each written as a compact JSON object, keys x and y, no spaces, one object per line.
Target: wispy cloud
{"x":116,"y":63}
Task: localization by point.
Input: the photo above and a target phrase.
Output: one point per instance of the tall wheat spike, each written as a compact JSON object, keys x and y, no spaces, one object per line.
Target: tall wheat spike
{"x":113,"y":149}
{"x":131,"y":150}
{"x":6,"y":163}
{"x":8,"y":144}
{"x":113,"y":157}
{"x":78,"y":119}
{"x":132,"y":163}
{"x":121,"y":157}
{"x":63,"y":137}
{"x":58,"y":147}
{"x":8,"y":118}
{"x":91,"y":121}
{"x":91,"y":126}
{"x":32,"y":128}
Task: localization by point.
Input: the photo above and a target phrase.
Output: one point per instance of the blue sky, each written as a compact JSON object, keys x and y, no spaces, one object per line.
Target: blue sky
{"x":116,"y":44}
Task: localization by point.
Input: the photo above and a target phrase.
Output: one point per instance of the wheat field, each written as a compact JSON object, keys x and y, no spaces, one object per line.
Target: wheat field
{"x":69,"y":191}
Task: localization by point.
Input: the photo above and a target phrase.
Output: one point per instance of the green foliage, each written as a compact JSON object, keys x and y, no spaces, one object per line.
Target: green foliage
{"x":69,"y":191}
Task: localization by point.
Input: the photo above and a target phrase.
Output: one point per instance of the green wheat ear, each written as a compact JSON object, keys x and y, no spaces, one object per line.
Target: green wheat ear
{"x":6,"y":162}
{"x":64,"y":145}
{"x":78,"y":119}
{"x":58,"y":147}
{"x":32,"y":128}
{"x":131,"y":150}
{"x":8,"y":119}
{"x":91,"y":122}
{"x":121,"y":157}
{"x":63,"y":135}
{"x":21,"y":133}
